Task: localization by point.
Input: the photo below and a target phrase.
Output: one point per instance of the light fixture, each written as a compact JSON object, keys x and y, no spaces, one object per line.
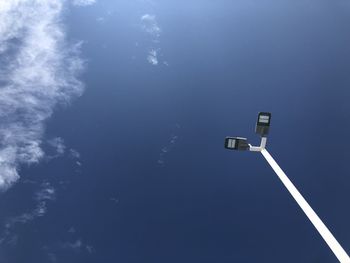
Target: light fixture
{"x":236,"y":143}
{"x":263,"y":123}
{"x":262,"y":128}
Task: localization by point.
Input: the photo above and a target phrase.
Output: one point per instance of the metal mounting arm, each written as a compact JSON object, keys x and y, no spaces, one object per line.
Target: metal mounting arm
{"x":258,"y":148}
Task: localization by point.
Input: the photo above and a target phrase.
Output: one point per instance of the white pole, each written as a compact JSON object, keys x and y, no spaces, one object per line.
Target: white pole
{"x":310,"y":213}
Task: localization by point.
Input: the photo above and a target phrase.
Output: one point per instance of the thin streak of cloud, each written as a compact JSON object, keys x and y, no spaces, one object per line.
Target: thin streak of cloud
{"x":52,"y":257}
{"x":152,"y":57}
{"x":71,"y":230}
{"x":102,"y":19}
{"x":58,"y":145}
{"x":83,"y":2}
{"x":170,"y":145}
{"x":42,"y":196}
{"x":115,"y":200}
{"x":46,"y":193}
{"x":78,"y":246}
{"x":74,"y":154}
{"x":150,"y":26}
{"x":38,"y":72}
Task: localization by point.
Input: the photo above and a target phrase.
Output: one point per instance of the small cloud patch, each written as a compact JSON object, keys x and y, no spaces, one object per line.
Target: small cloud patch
{"x":57,"y":144}
{"x":170,"y":145}
{"x":150,"y":26}
{"x":83,"y":2}
{"x":45,"y":194}
{"x":152,"y":57}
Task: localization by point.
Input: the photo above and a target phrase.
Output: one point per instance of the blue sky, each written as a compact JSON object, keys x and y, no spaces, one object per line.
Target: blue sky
{"x":113,"y":116}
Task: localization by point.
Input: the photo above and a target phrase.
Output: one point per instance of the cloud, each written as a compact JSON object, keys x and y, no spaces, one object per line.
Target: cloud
{"x":83,"y":2}
{"x":42,"y":196}
{"x":102,"y":19}
{"x":52,"y":257}
{"x":74,"y":243}
{"x":74,"y":154}
{"x":71,"y":230}
{"x":46,"y":193}
{"x":152,"y":57}
{"x":38,"y":71}
{"x":90,"y":249}
{"x":115,"y":200}
{"x":78,"y":246}
{"x":150,"y":26}
{"x":58,"y":145}
{"x":170,"y":145}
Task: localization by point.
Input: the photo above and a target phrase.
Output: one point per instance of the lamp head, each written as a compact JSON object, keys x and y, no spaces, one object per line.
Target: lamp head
{"x":236,"y":143}
{"x":263,"y":123}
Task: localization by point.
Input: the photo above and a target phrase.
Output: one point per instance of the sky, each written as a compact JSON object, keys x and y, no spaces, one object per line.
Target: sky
{"x":113,"y":116}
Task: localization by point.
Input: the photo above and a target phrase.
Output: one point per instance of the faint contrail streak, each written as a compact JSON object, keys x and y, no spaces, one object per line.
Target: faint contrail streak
{"x":310,"y":213}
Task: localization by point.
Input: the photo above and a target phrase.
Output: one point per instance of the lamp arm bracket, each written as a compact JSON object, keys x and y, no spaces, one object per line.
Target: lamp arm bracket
{"x":258,"y":148}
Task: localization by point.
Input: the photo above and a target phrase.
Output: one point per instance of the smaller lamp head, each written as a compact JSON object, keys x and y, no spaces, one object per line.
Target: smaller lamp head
{"x":263,"y":123}
{"x":236,"y":143}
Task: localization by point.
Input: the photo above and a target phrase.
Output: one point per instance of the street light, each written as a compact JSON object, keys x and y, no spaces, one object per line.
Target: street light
{"x":263,"y":123}
{"x":236,"y":143}
{"x":262,"y":128}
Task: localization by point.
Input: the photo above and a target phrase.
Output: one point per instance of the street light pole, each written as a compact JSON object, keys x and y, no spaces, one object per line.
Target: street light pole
{"x":262,"y":128}
{"x":307,"y":209}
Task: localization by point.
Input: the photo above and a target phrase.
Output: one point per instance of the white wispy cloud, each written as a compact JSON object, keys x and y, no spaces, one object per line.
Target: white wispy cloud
{"x":170,"y":145}
{"x":74,"y":243}
{"x":58,"y":145}
{"x":38,"y":71}
{"x":74,"y":154}
{"x":78,"y":245}
{"x":83,"y":2}
{"x":115,"y":200}
{"x":103,"y":18}
{"x":152,"y":57}
{"x":46,"y":193}
{"x":150,"y":26}
{"x":52,"y":257}
{"x":42,"y":196}
{"x":71,"y":230}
